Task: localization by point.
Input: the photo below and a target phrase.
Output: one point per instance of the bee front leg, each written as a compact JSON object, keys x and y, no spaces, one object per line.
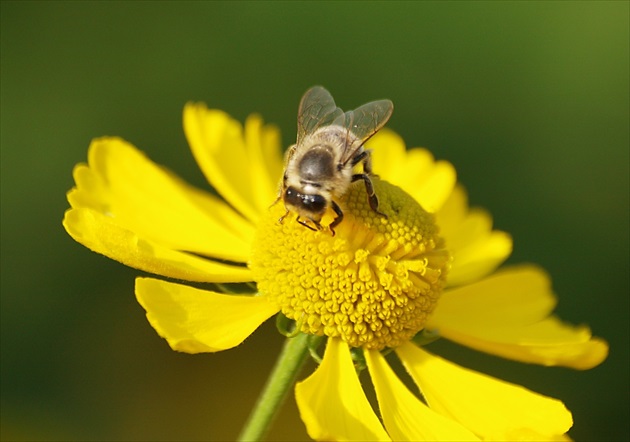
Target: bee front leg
{"x":276,"y":202}
{"x":281,"y":219}
{"x":369,"y":188}
{"x":318,"y":225}
{"x":338,"y":219}
{"x":281,"y":189}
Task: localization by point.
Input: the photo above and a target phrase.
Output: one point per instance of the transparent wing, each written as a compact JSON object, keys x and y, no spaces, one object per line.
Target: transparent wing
{"x":317,"y":109}
{"x":363,"y":122}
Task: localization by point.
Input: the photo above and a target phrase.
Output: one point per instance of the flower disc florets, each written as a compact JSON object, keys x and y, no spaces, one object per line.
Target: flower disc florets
{"x":373,"y":284}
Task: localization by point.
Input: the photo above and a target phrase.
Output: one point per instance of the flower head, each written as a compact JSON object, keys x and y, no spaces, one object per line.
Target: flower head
{"x":429,"y":264}
{"x":373,"y":284}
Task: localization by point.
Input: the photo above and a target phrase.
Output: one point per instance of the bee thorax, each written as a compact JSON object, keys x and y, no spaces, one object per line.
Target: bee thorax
{"x":316,"y":165}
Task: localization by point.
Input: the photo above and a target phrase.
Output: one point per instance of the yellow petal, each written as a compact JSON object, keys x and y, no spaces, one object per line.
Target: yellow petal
{"x":479,"y":258}
{"x":492,"y":409}
{"x":549,"y":342}
{"x":237,"y":164}
{"x":99,"y":233}
{"x":198,"y":321}
{"x":415,"y":171}
{"x":405,"y":416}
{"x":514,"y":296}
{"x":265,"y":160}
{"x":434,"y":190}
{"x":507,"y":314}
{"x":388,"y":154}
{"x":271,"y":145}
{"x":124,"y":184}
{"x":332,"y":403}
{"x":477,"y":250}
{"x":452,"y":213}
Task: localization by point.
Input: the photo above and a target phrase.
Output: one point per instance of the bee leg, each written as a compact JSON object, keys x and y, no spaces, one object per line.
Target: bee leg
{"x":372,"y":198}
{"x":276,"y":202}
{"x":361,"y":157}
{"x":281,"y":219}
{"x":318,"y":225}
{"x":338,"y":219}
{"x":280,"y":192}
{"x":366,"y":157}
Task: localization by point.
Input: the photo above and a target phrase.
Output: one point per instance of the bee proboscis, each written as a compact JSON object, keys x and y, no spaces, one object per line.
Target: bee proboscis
{"x":319,"y":168}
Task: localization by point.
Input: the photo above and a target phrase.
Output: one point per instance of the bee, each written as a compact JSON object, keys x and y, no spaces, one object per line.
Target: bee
{"x":319,"y":168}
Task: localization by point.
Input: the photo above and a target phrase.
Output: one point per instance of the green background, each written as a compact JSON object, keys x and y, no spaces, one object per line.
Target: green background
{"x":529,"y":100}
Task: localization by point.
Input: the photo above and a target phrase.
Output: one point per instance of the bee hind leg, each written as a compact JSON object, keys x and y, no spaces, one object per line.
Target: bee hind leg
{"x":369,"y":188}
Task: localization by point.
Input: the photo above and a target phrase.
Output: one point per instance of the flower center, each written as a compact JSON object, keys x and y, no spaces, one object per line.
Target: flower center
{"x":373,"y":284}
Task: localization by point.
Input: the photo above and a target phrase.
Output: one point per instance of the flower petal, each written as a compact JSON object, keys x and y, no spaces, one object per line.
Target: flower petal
{"x":430,"y":182}
{"x":121,"y":182}
{"x":507,"y":314}
{"x":477,"y":250}
{"x":405,"y":416}
{"x":239,"y":165}
{"x":388,"y":154}
{"x":332,"y":403}
{"x":516,"y":295}
{"x":492,"y":409}
{"x":549,"y":342}
{"x":198,"y":321}
{"x":266,"y":159}
{"x":99,"y":233}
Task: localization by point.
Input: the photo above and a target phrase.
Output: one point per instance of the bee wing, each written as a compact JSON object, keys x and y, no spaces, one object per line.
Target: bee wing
{"x":317,"y":108}
{"x":364,"y":122}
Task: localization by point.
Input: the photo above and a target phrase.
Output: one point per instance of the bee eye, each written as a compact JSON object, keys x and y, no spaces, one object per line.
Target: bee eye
{"x":314,"y":203}
{"x":291,"y":195}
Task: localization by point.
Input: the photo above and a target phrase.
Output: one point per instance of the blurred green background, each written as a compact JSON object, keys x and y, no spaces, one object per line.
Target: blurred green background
{"x":529,"y":100}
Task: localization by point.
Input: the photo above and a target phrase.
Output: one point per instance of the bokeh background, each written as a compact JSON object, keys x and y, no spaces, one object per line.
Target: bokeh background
{"x":529,"y":100}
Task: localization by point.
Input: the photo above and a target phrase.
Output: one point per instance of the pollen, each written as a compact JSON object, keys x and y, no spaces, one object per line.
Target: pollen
{"x":373,"y":284}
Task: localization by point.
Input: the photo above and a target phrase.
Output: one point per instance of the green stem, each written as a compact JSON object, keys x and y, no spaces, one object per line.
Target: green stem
{"x":280,"y":381}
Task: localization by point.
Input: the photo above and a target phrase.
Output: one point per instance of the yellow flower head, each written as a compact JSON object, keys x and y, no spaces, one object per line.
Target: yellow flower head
{"x":373,"y":284}
{"x":428,"y":264}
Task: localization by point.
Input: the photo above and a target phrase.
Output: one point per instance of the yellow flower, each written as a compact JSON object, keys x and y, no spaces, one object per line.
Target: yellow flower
{"x":429,"y":265}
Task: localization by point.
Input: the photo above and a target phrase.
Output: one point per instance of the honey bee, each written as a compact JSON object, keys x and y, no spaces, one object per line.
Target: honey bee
{"x":319,"y":168}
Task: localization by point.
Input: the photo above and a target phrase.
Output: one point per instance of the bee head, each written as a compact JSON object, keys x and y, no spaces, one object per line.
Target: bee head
{"x":311,"y":205}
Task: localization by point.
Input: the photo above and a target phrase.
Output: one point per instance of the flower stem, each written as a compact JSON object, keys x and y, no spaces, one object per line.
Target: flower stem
{"x":280,"y":381}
